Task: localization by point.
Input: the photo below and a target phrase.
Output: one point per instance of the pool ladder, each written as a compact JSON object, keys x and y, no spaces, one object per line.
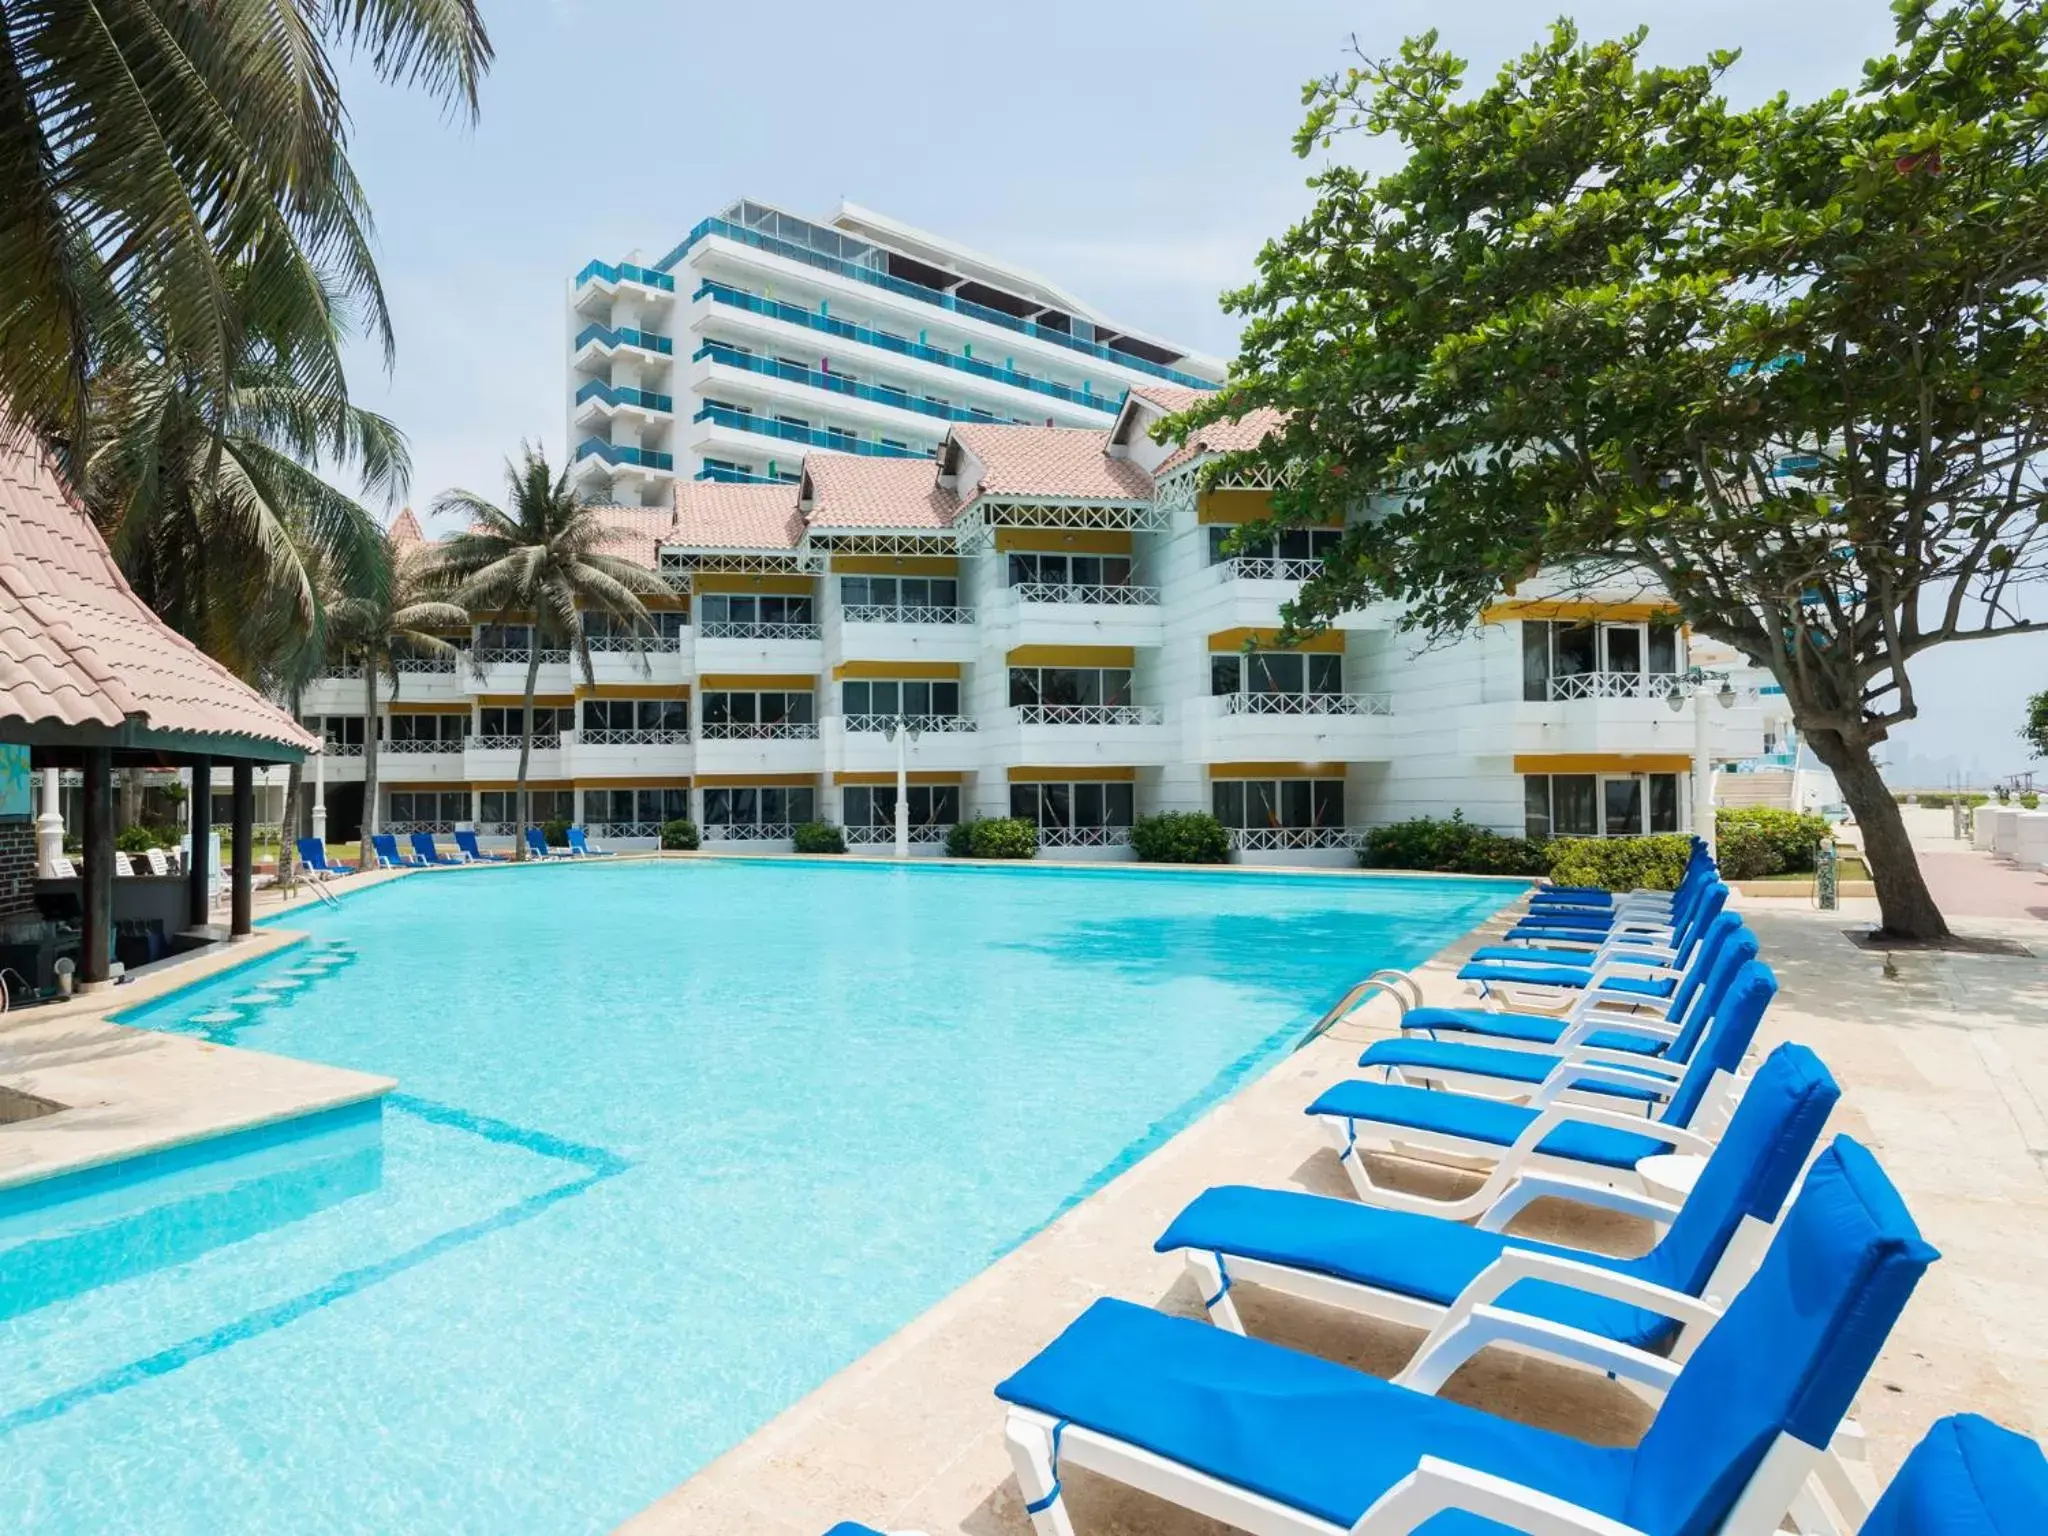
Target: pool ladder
{"x":1399,"y":985}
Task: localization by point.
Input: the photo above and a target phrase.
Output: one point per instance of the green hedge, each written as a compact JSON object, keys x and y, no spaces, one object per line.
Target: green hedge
{"x":1620,"y":863}
{"x":1942,"y":799}
{"x":679,"y":836}
{"x":140,"y":839}
{"x":1790,"y":841}
{"x":1180,"y":837}
{"x":1454,"y":846}
{"x":556,"y":832}
{"x":1743,"y":852}
{"x":1003,"y":837}
{"x":2029,"y":801}
{"x":960,"y":839}
{"x":819,"y":837}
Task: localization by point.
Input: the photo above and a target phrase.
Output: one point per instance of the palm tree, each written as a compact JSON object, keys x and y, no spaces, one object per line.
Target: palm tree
{"x":394,"y":619}
{"x":150,"y":152}
{"x":545,"y":558}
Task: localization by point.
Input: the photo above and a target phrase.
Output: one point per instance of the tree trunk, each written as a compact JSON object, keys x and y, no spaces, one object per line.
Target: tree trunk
{"x":131,"y":799}
{"x":288,"y":827}
{"x":1906,"y":909}
{"x":365,"y":856}
{"x":526,"y":749}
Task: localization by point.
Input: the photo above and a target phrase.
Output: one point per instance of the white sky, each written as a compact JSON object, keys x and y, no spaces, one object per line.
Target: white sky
{"x":1137,"y":153}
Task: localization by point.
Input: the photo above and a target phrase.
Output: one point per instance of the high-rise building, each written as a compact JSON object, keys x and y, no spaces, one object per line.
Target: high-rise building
{"x":763,"y":336}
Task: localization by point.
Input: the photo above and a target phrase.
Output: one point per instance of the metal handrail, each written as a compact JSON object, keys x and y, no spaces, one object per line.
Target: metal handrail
{"x":1399,"y":985}
{"x":1090,"y":714}
{"x":1096,"y":593}
{"x":1308,"y":703}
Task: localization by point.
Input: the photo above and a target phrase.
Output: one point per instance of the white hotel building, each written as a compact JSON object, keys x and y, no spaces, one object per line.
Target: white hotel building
{"x":1054,"y":609}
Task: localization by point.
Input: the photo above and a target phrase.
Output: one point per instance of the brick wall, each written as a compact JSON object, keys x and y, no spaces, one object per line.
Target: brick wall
{"x":17,"y":867}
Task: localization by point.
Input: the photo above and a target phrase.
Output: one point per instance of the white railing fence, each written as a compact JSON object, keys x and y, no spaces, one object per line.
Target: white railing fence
{"x":608,"y":738}
{"x":1272,"y":839}
{"x":542,"y":742}
{"x":604,"y":829}
{"x":402,"y":828}
{"x":1083,"y":837}
{"x":882,"y":837}
{"x":1308,"y":703}
{"x":1265,"y":568}
{"x":420,"y":746}
{"x":741,"y":730}
{"x":344,"y":749}
{"x":634,"y":645}
{"x":1066,"y":592}
{"x":726,"y":629}
{"x":428,"y":666}
{"x":1090,"y":714}
{"x":937,"y":724}
{"x":890,"y":613}
{"x":504,"y":656}
{"x":1615,"y":685}
{"x":750,"y":832}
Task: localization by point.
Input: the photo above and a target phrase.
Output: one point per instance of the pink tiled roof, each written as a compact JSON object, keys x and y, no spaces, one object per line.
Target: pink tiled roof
{"x":637,"y":533}
{"x":712,"y":514}
{"x":1256,"y":426}
{"x":850,"y":492}
{"x":1050,"y":461}
{"x":78,"y":647}
{"x":404,"y":531}
{"x":1170,"y":397}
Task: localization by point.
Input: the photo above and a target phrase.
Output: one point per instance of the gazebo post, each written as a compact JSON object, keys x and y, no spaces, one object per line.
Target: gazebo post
{"x":241,"y":899}
{"x":96,"y":893}
{"x":200,"y":819}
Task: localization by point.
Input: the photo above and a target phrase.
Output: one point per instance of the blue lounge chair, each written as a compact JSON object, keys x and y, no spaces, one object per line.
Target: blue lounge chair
{"x":579,"y":846}
{"x":1551,"y":1132}
{"x":1966,"y":1477}
{"x":1624,"y":973}
{"x":424,"y":850}
{"x":1536,"y":933}
{"x":1271,"y":1440}
{"x":1599,"y":898}
{"x":313,"y":856}
{"x":1421,"y":1272}
{"x":537,"y":845}
{"x":466,"y":841}
{"x":388,"y":856}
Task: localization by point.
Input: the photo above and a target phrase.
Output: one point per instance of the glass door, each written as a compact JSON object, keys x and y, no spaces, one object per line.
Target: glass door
{"x":1623,"y":648}
{"x":1622,"y":803}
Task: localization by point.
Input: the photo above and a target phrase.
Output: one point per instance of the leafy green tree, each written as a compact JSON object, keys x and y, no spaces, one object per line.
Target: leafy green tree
{"x":2035,"y":732}
{"x":1787,"y":364}
{"x":546,"y":558}
{"x":153,"y":151}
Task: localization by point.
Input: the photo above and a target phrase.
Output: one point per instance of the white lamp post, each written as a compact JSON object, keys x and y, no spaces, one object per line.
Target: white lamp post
{"x":903,"y":733}
{"x":1693,"y":684}
{"x":50,"y":826}
{"x":320,"y":794}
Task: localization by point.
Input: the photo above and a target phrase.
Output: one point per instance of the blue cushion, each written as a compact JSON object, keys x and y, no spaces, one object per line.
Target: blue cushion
{"x":1536,"y":1028}
{"x":1563,"y":976}
{"x":1315,"y":1436}
{"x":1510,"y":1066}
{"x":848,"y":1528}
{"x":1399,"y":1251}
{"x":1486,"y":1121}
{"x":1530,"y":954}
{"x":1966,"y":1477}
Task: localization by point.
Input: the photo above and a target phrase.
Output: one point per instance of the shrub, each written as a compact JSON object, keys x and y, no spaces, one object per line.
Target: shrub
{"x":2029,"y":801}
{"x":1791,"y":840}
{"x":556,"y":832}
{"x":1941,"y":800}
{"x":679,"y":836}
{"x":1620,"y":863}
{"x":1454,"y":847}
{"x":1003,"y":837}
{"x":960,"y":838}
{"x":820,"y":837}
{"x":135,"y":839}
{"x":1180,"y":837}
{"x":1745,"y":852}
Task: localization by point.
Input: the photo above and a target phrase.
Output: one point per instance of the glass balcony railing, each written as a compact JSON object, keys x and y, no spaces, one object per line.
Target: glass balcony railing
{"x":623,"y":336}
{"x":646,"y":399}
{"x":726,"y":476}
{"x":794,"y":314}
{"x":933,"y":296}
{"x":622,"y":453}
{"x":768,"y":426}
{"x":817,"y":378}
{"x":625,"y":272}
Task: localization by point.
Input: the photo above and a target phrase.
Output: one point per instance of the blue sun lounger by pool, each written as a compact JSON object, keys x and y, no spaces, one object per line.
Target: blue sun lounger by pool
{"x":1269,"y":1439}
{"x":388,"y":856}
{"x":1533,"y":942}
{"x":579,"y":846}
{"x":1457,"y":1281}
{"x":467,"y":842}
{"x":1966,"y":1477}
{"x":1623,"y":972}
{"x":313,"y":855}
{"x":537,"y":845}
{"x":424,"y":850}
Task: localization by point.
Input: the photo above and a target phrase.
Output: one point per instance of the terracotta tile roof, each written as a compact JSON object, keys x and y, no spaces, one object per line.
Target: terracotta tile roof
{"x":1050,"y":461}
{"x":405,"y":530}
{"x":712,"y":514}
{"x":78,"y":647}
{"x":1225,"y":437}
{"x":637,"y":533}
{"x":1169,"y":397}
{"x":850,"y":492}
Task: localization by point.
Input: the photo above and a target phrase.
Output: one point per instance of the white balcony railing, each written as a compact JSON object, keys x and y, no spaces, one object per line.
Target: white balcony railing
{"x":1308,"y":703}
{"x":1064,"y":592}
{"x":402,"y":828}
{"x":428,"y":666}
{"x":495,"y":828}
{"x":887,"y":613}
{"x":1274,"y":839}
{"x":1083,"y":837}
{"x":882,"y":837}
{"x":505,"y":656}
{"x":421,"y":748}
{"x":726,"y":629}
{"x":1266,"y":568}
{"x":541,"y":743}
{"x":604,"y":829}
{"x":633,"y":645}
{"x":632,"y":739}
{"x":750,"y":832}
{"x":746,"y":730}
{"x":1090,"y":714}
{"x":1615,"y":685}
{"x":936,"y":724}
{"x":335,"y":749}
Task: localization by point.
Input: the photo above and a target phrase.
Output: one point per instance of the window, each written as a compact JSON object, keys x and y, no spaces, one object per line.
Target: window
{"x":899,"y":591}
{"x":894,"y":442}
{"x":1293,"y":544}
{"x":449,"y":729}
{"x":1599,"y":805}
{"x":664,"y":624}
{"x":548,"y":720}
{"x":343,"y":730}
{"x":747,"y":608}
{"x":636,"y":715}
{"x":727,"y":467}
{"x":771,"y":707}
{"x":749,"y":806}
{"x":430,"y":810}
{"x":1553,"y":651}
{"x":504,"y":637}
{"x":1073,"y":805}
{"x":931,"y":805}
{"x":1028,"y":567}
{"x":1248,"y":804}
{"x":614,"y":807}
{"x":502,"y":805}
{"x":899,"y":698}
{"x":1070,"y":685}
{"x":1276,"y":672}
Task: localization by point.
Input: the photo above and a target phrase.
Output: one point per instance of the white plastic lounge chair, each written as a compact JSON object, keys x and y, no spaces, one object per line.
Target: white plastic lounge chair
{"x":61,"y":868}
{"x":1582,"y":926}
{"x":1280,"y":1443}
{"x":124,"y":868}
{"x":1966,"y":1477}
{"x":1556,"y":1131}
{"x":1421,"y":1272}
{"x":159,"y":863}
{"x":1623,"y":975}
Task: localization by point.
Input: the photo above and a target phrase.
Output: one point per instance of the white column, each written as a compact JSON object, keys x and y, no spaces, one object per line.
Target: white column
{"x":50,"y":826}
{"x":902,"y":734}
{"x":320,"y":795}
{"x":1702,"y":767}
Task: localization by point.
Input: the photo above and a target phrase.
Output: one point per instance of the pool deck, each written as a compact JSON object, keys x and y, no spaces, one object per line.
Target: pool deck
{"x":1943,"y":1060}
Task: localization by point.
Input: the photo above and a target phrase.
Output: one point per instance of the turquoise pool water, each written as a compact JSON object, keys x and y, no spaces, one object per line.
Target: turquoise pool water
{"x":673,"y":1143}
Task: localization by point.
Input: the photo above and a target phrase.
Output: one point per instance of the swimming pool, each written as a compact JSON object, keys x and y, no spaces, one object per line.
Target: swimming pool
{"x":673,"y":1142}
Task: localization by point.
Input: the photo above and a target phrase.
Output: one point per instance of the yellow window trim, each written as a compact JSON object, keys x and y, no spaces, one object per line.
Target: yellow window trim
{"x":906,"y":670}
{"x":1236,"y":507}
{"x":757,"y":780}
{"x":1088,"y":775}
{"x":885,"y":779}
{"x":402,"y":708}
{"x":1058,"y":541}
{"x":1275,"y":771}
{"x":484,"y":784}
{"x":517,"y":700}
{"x":896,"y":565}
{"x":635,"y":691}
{"x":1574,"y":610}
{"x":673,"y":781}
{"x":755,"y":682}
{"x":1602,"y":762}
{"x":733,"y":581}
{"x":1329,"y":643}
{"x":1072,"y":656}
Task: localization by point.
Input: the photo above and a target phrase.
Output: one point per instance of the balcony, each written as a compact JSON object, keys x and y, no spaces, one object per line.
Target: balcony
{"x":1044,"y":613}
{"x":604,"y":273}
{"x":501,"y":670}
{"x":883,"y":839}
{"x":1291,"y":727}
{"x":642,"y":658}
{"x":733,"y":746}
{"x":1265,"y":568}
{"x":597,"y":402}
{"x":496,"y":758}
{"x":755,"y":425}
{"x":825,"y":325}
{"x":1607,"y":713}
{"x":624,"y":454}
{"x":1084,"y":837}
{"x":832,"y":383}
{"x":420,"y":761}
{"x":893,"y":632}
{"x":725,"y":476}
{"x":822,"y":249}
{"x":944,"y":744}
{"x":599,"y":340}
{"x":1076,"y":735}
{"x":726,"y":646}
{"x":621,"y":753}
